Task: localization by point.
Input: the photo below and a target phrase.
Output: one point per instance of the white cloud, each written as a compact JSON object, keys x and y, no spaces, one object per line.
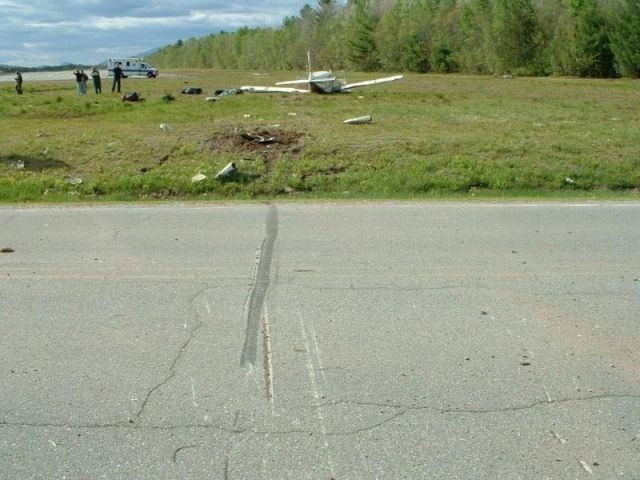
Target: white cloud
{"x":121,"y":23}
{"x":38,"y":32}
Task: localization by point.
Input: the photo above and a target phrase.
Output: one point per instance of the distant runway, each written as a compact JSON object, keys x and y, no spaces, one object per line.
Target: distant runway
{"x":344,"y":341}
{"x":46,"y":76}
{"x":59,"y":76}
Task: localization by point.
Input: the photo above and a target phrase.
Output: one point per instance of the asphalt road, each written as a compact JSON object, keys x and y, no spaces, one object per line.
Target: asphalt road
{"x":345,"y":341}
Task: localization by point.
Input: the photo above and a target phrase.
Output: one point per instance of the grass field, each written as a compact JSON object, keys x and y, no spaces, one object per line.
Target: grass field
{"x":431,"y":137}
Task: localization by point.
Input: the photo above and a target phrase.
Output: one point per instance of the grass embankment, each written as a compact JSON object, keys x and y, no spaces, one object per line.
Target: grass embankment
{"x":431,"y":136}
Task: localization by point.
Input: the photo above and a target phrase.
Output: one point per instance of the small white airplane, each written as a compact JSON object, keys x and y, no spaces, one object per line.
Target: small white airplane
{"x":317,"y":82}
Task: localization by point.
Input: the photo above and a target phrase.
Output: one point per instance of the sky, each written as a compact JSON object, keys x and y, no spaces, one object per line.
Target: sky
{"x":38,"y":32}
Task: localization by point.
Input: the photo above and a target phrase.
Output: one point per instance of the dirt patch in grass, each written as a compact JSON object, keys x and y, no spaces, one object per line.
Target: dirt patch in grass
{"x":267,"y":143}
{"x":33,"y":164}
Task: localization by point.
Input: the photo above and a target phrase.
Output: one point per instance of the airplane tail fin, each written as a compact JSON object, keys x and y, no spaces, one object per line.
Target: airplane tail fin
{"x":309,"y":68}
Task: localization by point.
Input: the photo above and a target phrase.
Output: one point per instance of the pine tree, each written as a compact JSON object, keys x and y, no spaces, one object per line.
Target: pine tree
{"x":626,"y":38}
{"x":581,"y":45}
{"x":389,"y":38}
{"x":362,"y":52}
{"x":475,"y":37}
{"x":592,"y":41}
{"x":516,"y":39}
{"x":417,"y":35}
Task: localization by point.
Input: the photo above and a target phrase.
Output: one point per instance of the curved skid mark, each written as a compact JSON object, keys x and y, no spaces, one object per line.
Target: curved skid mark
{"x":259,"y":291}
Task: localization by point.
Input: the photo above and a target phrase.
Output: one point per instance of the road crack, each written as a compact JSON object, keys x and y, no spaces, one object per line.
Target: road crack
{"x":174,"y":457}
{"x":512,"y":408}
{"x":401,"y":410}
{"x":181,"y":351}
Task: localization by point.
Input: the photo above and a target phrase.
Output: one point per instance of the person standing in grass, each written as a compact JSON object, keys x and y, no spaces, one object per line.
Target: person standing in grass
{"x":79,"y":78}
{"x":97,"y":82}
{"x":85,"y":79}
{"x":19,"y":83}
{"x":117,"y":76}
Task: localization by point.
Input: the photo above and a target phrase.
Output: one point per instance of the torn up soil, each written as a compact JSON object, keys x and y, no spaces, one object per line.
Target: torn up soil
{"x":267,"y":143}
{"x":34,"y":164}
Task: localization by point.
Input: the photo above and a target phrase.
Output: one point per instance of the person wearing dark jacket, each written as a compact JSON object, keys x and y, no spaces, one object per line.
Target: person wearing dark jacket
{"x":19,"y":83}
{"x":97,"y":82}
{"x":79,"y":81}
{"x":117,"y":76}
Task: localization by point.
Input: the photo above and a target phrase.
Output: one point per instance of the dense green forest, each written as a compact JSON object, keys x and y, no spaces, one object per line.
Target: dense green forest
{"x":588,"y":38}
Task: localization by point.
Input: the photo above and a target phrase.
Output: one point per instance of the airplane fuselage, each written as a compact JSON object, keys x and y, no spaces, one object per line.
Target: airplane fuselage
{"x":324,"y":82}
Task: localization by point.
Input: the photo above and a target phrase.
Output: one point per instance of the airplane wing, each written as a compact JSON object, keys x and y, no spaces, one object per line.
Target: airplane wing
{"x":307,"y":82}
{"x":294,"y":82}
{"x":258,"y":89}
{"x":349,"y":86}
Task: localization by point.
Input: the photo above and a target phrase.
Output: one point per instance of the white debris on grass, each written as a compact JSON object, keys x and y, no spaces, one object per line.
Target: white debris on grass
{"x":229,"y":169}
{"x":73,"y":180}
{"x":359,"y":120}
{"x":198,"y":178}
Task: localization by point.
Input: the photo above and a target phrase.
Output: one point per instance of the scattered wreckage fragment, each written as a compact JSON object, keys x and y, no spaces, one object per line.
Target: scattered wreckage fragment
{"x":191,"y":91}
{"x":359,"y":120}
{"x":228,"y":170}
{"x":132,"y":97}
{"x":223,"y":93}
{"x":254,"y":137}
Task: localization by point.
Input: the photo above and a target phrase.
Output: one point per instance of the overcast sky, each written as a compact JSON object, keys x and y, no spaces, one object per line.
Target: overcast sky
{"x":40,"y":32}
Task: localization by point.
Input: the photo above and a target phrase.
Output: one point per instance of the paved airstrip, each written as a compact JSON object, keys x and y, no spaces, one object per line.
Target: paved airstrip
{"x":319,"y":341}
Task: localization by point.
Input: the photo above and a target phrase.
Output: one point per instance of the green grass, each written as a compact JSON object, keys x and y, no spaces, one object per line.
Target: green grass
{"x":431,"y":137}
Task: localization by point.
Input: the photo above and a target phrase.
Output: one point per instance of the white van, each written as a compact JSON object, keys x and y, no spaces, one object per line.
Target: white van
{"x":132,"y":67}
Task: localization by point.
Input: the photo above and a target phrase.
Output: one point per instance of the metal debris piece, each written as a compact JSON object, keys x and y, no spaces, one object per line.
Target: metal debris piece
{"x":191,"y":91}
{"x":359,"y":120}
{"x":227,"y":92}
{"x":228,"y":170}
{"x":254,"y":137}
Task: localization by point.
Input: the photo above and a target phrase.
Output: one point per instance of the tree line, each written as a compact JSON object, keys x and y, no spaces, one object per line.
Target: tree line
{"x":587,"y":38}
